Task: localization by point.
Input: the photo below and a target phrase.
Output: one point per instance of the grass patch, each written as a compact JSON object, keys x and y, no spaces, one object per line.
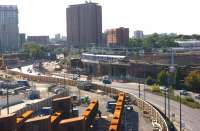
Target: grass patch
{"x":188,"y":101}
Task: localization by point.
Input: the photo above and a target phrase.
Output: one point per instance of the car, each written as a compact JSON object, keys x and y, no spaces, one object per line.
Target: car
{"x":197,"y":96}
{"x":107,"y":81}
{"x":129,"y":108}
{"x":163,"y":89}
{"x":111,"y":106}
{"x":183,"y":92}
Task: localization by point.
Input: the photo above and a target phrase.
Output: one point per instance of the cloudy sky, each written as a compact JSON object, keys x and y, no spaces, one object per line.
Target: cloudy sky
{"x":48,"y":17}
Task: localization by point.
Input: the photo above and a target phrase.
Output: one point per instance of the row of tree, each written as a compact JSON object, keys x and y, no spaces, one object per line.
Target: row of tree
{"x":39,"y":51}
{"x":177,"y":80}
{"x":160,"y":40}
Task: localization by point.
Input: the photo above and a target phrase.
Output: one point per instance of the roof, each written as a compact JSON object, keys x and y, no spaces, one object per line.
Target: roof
{"x":98,"y":55}
{"x":86,"y":3}
{"x":8,"y":7}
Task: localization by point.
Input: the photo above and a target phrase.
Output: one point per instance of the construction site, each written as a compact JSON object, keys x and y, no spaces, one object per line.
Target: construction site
{"x":99,"y":109}
{"x":57,"y":102}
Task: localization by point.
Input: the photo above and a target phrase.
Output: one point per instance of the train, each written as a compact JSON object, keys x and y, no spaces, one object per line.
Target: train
{"x":106,"y":58}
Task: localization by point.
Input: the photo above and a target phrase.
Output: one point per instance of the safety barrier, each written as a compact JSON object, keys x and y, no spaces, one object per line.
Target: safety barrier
{"x":39,"y":104}
{"x":82,"y":123}
{"x":145,"y":107}
{"x":90,"y":113}
{"x":117,"y":116}
{"x":20,"y":120}
{"x":55,"y":119}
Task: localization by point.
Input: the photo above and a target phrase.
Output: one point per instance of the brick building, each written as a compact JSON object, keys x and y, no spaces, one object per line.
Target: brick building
{"x":117,"y":37}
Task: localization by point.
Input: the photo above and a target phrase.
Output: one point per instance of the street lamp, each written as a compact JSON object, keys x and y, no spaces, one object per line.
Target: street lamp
{"x":144,"y":79}
{"x":139,"y":89}
{"x":180,"y":114}
{"x":165,"y":92}
{"x":172,"y":70}
{"x":7,"y":97}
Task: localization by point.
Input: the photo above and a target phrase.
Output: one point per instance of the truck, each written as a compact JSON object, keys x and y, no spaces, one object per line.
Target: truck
{"x":111,"y":106}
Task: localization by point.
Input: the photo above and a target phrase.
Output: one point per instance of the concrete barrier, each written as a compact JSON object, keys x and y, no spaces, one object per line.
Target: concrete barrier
{"x":117,"y":116}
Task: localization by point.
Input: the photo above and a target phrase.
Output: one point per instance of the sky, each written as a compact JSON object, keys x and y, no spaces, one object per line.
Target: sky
{"x":48,"y":17}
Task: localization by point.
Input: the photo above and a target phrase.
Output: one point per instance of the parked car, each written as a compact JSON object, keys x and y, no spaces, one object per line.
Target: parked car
{"x":107,"y":81}
{"x":197,"y":96}
{"x":183,"y":92}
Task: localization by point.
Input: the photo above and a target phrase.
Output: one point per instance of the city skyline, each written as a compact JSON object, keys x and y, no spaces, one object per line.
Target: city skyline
{"x":172,"y":16}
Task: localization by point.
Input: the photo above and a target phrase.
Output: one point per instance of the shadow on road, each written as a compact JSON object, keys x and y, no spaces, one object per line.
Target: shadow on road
{"x":101,"y":124}
{"x":132,"y":118}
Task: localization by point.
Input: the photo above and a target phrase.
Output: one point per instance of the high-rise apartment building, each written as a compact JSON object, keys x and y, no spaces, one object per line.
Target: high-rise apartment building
{"x":117,"y":37}
{"x":9,"y":31}
{"x":138,"y":34}
{"x":84,"y":24}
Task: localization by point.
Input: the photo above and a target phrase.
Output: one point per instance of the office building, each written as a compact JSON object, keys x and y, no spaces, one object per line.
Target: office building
{"x":138,"y":34}
{"x":84,"y":24}
{"x":117,"y":37}
{"x":38,"y":39}
{"x":9,"y":31}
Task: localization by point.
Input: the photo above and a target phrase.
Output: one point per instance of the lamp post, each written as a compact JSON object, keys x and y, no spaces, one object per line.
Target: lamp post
{"x":139,"y":89}
{"x":180,"y":114}
{"x":144,"y":80}
{"x":172,"y":70}
{"x":7,"y":97}
{"x":165,"y":100}
{"x":168,"y":95}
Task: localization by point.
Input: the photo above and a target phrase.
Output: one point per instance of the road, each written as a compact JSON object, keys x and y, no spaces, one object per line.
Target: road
{"x":190,"y":116}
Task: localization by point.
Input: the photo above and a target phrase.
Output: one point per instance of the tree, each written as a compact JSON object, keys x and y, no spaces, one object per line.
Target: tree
{"x":135,"y":42}
{"x":154,"y":41}
{"x":162,"y":78}
{"x":149,"y":81}
{"x":33,"y":50}
{"x":193,"y":81}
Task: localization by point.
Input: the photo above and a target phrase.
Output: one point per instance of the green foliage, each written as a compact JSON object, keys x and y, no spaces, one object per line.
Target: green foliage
{"x":149,"y":80}
{"x":155,"y":89}
{"x":59,"y":50}
{"x":33,"y":50}
{"x":185,"y":37}
{"x":154,"y":41}
{"x":162,"y":78}
{"x":190,"y":99}
{"x":193,"y":81}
